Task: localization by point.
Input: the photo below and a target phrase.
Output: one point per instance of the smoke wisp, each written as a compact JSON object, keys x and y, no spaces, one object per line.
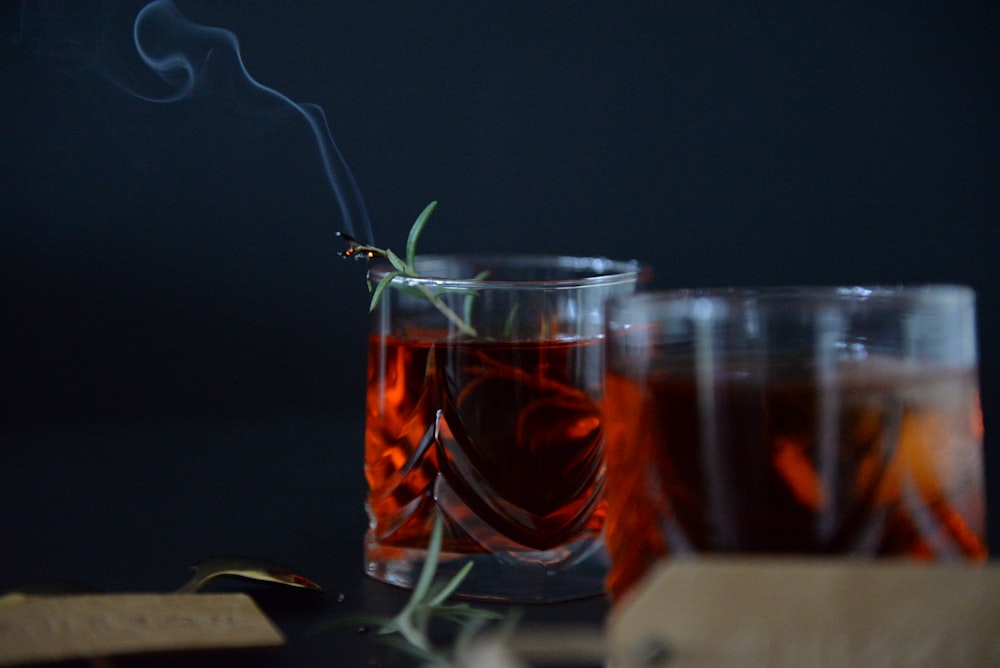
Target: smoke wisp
{"x":178,"y":61}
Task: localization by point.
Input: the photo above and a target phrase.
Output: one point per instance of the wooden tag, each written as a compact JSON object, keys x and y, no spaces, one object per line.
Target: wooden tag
{"x":773,"y":612}
{"x":55,"y":628}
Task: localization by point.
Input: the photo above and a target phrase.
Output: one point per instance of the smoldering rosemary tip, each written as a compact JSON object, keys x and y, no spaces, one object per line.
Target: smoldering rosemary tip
{"x":404,"y":267}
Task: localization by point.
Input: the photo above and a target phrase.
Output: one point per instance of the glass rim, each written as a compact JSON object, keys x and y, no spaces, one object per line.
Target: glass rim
{"x":593,"y":270}
{"x":876,"y":294}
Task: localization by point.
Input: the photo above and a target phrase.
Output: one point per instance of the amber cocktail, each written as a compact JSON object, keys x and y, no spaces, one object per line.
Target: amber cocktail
{"x":492,"y":422}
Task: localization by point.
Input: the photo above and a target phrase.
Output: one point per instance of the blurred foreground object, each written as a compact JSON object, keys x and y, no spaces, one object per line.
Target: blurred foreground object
{"x":775,"y":612}
{"x":95,"y":626}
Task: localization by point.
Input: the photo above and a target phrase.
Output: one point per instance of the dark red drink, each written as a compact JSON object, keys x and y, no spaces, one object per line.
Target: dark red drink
{"x":880,"y":459}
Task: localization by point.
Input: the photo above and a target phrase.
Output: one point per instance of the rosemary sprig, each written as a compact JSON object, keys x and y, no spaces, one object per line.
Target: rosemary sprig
{"x":409,"y":631}
{"x":428,"y":602}
{"x":405,"y":268}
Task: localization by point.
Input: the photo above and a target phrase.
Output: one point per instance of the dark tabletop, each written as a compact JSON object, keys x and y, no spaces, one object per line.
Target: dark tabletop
{"x":129,"y":507}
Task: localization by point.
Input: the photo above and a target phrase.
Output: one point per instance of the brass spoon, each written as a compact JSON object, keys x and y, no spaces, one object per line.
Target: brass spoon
{"x":247,"y":568}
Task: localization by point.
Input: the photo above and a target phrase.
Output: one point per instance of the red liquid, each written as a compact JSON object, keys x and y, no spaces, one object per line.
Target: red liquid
{"x":880,"y":464}
{"x":518,"y":440}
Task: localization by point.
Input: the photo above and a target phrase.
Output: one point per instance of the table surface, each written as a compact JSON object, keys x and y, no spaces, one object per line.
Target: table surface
{"x":129,"y":507}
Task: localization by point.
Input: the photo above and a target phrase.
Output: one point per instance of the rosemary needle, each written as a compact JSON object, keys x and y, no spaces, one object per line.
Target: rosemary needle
{"x":409,"y":631}
{"x":405,"y":268}
{"x":428,"y":602}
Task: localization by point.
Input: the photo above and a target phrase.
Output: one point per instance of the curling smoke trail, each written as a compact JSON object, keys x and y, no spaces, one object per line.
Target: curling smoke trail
{"x":187,"y":60}
{"x":183,"y":54}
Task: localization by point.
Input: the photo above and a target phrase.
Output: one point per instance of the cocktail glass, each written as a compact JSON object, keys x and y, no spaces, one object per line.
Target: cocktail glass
{"x":484,"y":382}
{"x":793,"y":421}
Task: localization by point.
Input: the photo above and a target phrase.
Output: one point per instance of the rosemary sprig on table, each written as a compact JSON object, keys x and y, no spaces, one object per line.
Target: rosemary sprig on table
{"x":405,"y":268}
{"x":428,"y":602}
{"x":409,"y":631}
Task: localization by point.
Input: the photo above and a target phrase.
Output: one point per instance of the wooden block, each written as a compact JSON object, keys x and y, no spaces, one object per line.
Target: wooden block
{"x":773,"y":612}
{"x":54,"y":628}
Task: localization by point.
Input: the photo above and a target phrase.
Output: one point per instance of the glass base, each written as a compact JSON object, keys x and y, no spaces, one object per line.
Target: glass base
{"x":566,"y":573}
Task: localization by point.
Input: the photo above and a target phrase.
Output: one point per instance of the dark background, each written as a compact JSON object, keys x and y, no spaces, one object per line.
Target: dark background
{"x":174,"y":261}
